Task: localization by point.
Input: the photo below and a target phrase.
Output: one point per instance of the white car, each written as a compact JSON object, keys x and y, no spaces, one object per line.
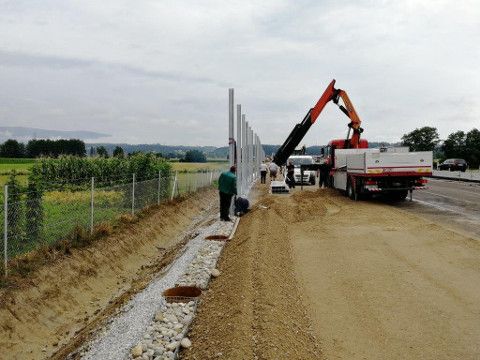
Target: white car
{"x":308,"y":175}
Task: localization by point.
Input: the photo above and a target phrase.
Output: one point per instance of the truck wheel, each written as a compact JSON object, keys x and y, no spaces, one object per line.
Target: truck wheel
{"x":351,"y":191}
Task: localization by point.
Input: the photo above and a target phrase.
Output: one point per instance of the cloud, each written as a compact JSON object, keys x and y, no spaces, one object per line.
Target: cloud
{"x":159,"y":71}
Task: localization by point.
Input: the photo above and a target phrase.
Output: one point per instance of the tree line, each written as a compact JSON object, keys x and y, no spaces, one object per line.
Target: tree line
{"x":459,"y":144}
{"x":43,"y":147}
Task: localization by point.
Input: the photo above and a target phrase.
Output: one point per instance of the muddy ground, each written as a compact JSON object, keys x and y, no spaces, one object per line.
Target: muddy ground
{"x":57,"y":307}
{"x":314,"y":275}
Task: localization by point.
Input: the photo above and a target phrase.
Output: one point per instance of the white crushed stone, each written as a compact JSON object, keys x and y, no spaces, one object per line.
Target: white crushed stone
{"x":200,"y":269}
{"x":125,"y":330}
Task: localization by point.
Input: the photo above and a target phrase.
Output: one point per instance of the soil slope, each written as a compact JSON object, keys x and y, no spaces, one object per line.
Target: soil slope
{"x":64,"y":301}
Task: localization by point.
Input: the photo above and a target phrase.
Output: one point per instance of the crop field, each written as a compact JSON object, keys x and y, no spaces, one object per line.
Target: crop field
{"x":194,"y":167}
{"x":19,"y":165}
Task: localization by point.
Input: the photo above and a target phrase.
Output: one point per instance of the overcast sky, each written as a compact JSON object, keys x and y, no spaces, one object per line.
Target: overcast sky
{"x":159,"y":71}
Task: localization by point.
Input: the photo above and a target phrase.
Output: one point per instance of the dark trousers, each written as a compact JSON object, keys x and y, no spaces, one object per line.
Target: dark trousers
{"x":323,"y":177}
{"x":263,"y":177}
{"x":225,"y":201}
{"x":290,"y":180}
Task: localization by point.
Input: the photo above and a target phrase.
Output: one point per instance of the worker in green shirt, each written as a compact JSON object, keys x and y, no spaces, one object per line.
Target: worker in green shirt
{"x":227,"y":187}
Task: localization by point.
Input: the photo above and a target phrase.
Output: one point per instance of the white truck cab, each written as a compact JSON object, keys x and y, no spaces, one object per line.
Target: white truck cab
{"x":308,"y":175}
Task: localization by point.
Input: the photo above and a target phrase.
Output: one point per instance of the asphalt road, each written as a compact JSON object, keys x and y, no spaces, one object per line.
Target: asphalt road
{"x":455,"y":204}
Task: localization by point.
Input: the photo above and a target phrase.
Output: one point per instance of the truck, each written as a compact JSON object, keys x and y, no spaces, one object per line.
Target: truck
{"x":394,"y":174}
{"x":307,"y":176}
{"x":349,"y":163}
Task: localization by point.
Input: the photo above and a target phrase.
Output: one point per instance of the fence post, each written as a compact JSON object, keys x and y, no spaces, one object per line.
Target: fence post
{"x":91,"y":205}
{"x":5,"y":230}
{"x":174,"y":186}
{"x":211,"y":177}
{"x":159,"y":187}
{"x":133,"y":194}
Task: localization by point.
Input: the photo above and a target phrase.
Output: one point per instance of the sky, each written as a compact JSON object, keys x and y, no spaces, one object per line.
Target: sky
{"x":159,"y":71}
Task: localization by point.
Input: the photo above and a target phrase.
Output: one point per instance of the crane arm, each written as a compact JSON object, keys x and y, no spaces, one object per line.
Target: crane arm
{"x":300,"y":130}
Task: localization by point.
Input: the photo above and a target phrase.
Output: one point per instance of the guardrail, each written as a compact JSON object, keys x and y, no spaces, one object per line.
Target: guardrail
{"x":471,"y":176}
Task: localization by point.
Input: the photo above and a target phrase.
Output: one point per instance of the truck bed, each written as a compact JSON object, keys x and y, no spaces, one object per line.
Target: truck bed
{"x":374,"y":163}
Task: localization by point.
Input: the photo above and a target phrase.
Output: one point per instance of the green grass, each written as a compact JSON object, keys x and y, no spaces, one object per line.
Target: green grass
{"x":19,"y":165}
{"x":195,"y":167}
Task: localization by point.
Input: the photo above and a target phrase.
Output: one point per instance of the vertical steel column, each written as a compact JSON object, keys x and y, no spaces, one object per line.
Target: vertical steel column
{"x":92,"y":204}
{"x":231,"y":140}
{"x":133,"y":194}
{"x":159,"y":187}
{"x":174,"y":185}
{"x":239,"y":149}
{"x":5,"y":230}
{"x":244,"y":144}
{"x":245,"y":156}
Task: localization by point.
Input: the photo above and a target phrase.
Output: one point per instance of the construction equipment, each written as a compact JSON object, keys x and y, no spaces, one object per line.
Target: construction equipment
{"x":299,"y":131}
{"x":352,"y":166}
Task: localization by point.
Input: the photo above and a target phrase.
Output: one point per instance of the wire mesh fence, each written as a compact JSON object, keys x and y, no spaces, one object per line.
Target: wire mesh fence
{"x":49,"y":214}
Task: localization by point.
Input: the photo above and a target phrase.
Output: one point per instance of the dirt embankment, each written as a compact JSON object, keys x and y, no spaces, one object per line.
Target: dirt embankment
{"x":254,"y":310}
{"x":64,"y":301}
{"x":377,"y":283}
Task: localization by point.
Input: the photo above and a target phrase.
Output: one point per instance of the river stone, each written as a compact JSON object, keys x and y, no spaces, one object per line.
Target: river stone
{"x":215,"y":272}
{"x":137,"y":350}
{"x":172,"y":346}
{"x":186,"y":343}
{"x":159,"y":316}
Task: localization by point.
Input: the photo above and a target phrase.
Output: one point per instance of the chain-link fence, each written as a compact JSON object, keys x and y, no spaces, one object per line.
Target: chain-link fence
{"x":49,"y":214}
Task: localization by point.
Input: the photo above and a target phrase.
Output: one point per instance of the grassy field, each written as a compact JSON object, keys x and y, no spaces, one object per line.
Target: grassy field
{"x":19,"y":165}
{"x":194,"y":167}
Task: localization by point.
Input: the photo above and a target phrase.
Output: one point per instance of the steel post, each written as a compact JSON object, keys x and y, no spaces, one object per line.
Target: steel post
{"x":231,"y":140}
{"x":159,"y":187}
{"x":133,"y":194}
{"x":92,"y":190}
{"x":239,"y":148}
{"x":5,"y":230}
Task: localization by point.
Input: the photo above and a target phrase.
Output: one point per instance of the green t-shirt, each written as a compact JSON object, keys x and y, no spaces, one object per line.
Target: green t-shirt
{"x":227,"y":183}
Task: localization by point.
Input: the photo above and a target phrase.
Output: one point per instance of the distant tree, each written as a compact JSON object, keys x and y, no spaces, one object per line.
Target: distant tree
{"x":422,"y":139}
{"x":12,"y":149}
{"x":92,"y":151}
{"x":102,"y":151}
{"x":455,"y":145}
{"x":118,"y":152}
{"x":194,"y":156}
{"x":55,"y":148}
{"x":472,"y":143}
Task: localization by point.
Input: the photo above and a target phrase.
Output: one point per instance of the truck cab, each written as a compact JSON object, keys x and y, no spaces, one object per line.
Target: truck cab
{"x":329,"y":150}
{"x":308,"y":175}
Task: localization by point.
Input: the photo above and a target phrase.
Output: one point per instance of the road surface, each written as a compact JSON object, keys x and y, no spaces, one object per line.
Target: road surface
{"x":455,"y":204}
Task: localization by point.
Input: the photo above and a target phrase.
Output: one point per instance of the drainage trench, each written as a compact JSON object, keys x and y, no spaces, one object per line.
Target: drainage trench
{"x":154,"y":324}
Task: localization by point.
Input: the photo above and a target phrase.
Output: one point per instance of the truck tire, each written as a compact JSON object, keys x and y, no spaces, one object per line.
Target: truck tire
{"x":351,"y":193}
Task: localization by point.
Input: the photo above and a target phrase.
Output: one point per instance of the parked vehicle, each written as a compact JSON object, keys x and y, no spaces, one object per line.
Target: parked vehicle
{"x":453,"y":165}
{"x":308,"y":175}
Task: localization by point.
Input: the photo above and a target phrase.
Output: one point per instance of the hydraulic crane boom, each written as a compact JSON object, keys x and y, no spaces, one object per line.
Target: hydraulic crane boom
{"x":301,"y":129}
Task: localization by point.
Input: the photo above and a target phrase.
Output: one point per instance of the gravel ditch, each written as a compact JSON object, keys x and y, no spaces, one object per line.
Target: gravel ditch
{"x":141,"y":321}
